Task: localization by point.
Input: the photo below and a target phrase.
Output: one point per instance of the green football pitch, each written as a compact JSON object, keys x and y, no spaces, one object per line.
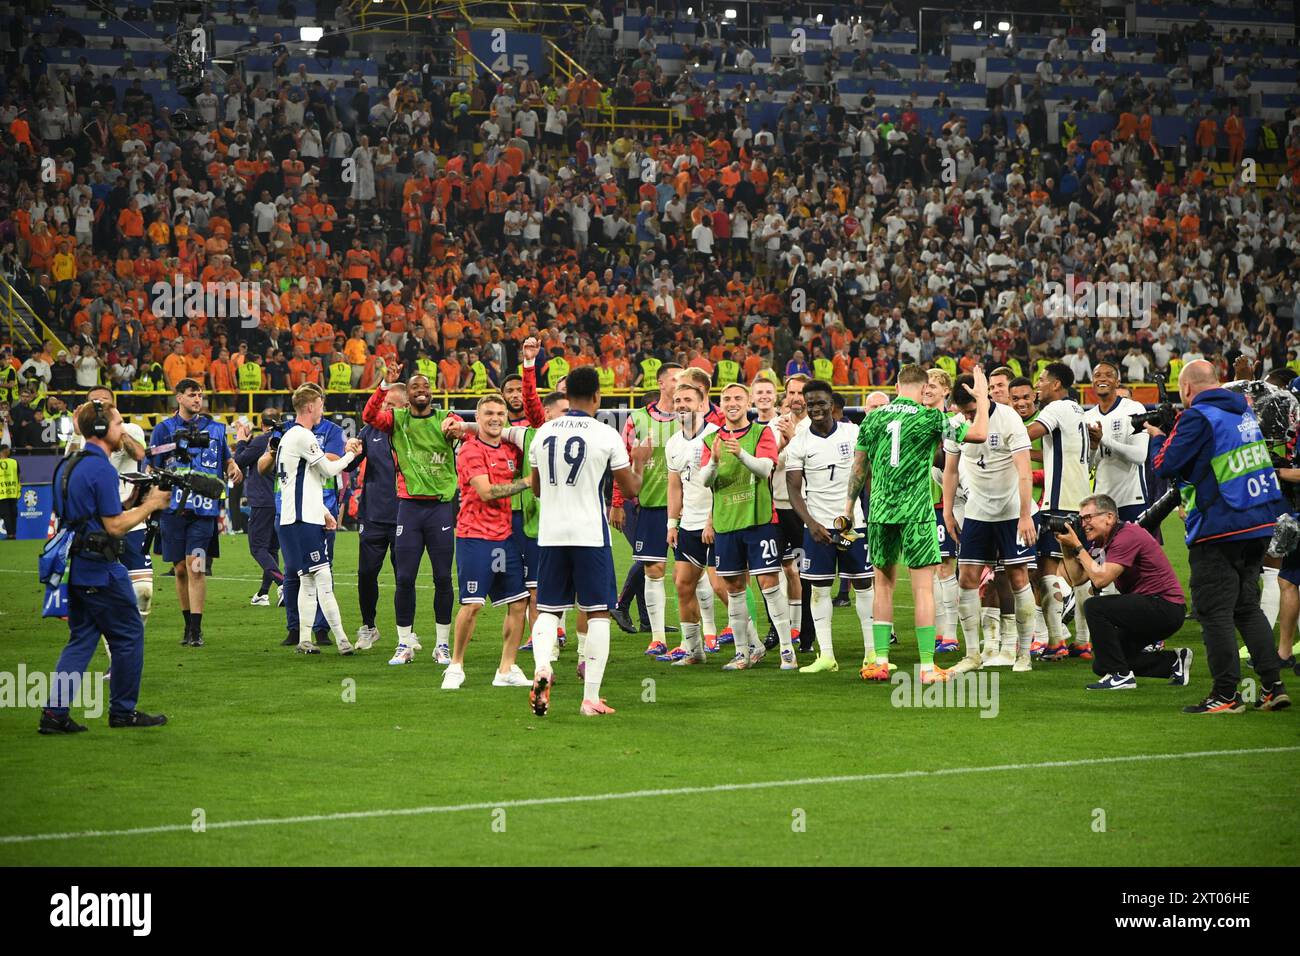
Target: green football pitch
{"x":273,"y":758}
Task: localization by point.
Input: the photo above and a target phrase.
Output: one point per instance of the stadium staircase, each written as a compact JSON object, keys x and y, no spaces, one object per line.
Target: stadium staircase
{"x":20,"y":321}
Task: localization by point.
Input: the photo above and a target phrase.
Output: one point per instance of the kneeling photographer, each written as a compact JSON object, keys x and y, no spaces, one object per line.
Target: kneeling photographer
{"x":1148,"y":608}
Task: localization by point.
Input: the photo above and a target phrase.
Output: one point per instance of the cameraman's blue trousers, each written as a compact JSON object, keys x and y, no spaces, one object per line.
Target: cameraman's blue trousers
{"x":109,"y":610}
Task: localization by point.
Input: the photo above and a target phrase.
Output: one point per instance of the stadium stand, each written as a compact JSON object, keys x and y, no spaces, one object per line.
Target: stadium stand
{"x":353,"y":185}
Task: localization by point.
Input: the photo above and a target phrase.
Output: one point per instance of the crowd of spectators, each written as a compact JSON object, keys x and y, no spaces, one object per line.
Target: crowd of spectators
{"x":438,"y":224}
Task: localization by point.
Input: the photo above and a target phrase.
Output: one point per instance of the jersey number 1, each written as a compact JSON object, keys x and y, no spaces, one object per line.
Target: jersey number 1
{"x":895,"y":429}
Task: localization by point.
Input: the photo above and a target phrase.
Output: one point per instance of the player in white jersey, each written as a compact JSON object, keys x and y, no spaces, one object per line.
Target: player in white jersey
{"x":690,"y":512}
{"x":1119,"y":454}
{"x":793,"y":418}
{"x":1060,"y":424}
{"x":819,"y":467}
{"x":570,"y":457}
{"x":998,"y":524}
{"x":302,"y":468}
{"x":937,"y":389}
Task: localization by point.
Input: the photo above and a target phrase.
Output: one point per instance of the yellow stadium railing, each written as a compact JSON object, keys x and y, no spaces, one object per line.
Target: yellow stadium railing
{"x":21,"y":322}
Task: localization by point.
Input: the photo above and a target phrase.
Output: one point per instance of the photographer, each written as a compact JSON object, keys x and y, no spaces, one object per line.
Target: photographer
{"x":1149,"y":607}
{"x":263,"y":541}
{"x":1216,"y":447}
{"x":100,"y":598}
{"x":191,"y":441}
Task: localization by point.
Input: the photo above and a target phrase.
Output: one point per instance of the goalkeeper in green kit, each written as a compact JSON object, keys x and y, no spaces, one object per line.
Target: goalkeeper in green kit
{"x":896,"y":445}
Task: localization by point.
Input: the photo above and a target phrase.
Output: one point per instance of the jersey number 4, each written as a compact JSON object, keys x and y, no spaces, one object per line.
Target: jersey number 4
{"x":574,"y":454}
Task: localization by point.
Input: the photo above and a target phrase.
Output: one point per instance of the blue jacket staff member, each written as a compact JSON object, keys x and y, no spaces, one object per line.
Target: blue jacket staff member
{"x":1232,"y":498}
{"x":263,"y":540}
{"x":100,"y":598}
{"x":1148,"y":608}
{"x":188,"y":528}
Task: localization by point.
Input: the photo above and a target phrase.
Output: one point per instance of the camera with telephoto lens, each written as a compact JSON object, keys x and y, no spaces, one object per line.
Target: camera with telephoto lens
{"x":1159,"y":509}
{"x":1060,"y":524}
{"x":195,"y":483}
{"x":1162,"y":416}
{"x":193,"y":437}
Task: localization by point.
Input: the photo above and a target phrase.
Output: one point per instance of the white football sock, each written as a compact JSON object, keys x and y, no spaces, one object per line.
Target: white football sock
{"x":949,"y":593}
{"x":1054,"y":590}
{"x":1024,"y":618}
{"x":822,"y":611}
{"x":403,"y":634}
{"x":143,"y":598}
{"x":862,"y":603}
{"x":1081,"y":594}
{"x":738,"y":620}
{"x":991,"y":625}
{"x":1270,"y":596}
{"x":779,"y":612}
{"x":704,"y":594}
{"x":323,"y":581}
{"x":691,"y":638}
{"x":795,"y":611}
{"x":654,"y":607}
{"x":582,"y":645}
{"x":597,"y":656}
{"x":968,"y":612}
{"x":306,"y":607}
{"x":546,"y":634}
{"x":1008,"y":635}
{"x":444,"y":633}
{"x":1040,"y":624}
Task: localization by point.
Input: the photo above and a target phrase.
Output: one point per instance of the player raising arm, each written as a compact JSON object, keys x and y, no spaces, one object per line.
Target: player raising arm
{"x":999,"y":519}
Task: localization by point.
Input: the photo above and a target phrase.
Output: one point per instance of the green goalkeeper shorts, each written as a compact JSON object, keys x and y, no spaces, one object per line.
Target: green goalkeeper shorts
{"x":914,"y":543}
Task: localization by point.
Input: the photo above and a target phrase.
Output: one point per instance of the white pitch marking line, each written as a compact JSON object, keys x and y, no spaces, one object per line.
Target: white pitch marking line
{"x":642,"y":794}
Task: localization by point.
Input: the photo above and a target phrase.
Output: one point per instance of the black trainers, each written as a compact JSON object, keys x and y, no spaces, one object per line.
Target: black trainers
{"x":838,"y":601}
{"x":771,"y":641}
{"x":196,"y":638}
{"x":322,"y":638}
{"x":1214,"y":704}
{"x":52,"y":723}
{"x":1273,"y":698}
{"x":670,"y":628}
{"x":185,"y":641}
{"x":620,"y":617}
{"x":136,"y":719}
{"x":290,"y":640}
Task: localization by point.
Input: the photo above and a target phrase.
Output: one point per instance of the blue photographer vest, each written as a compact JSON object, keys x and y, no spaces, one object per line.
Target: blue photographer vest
{"x":1239,"y":497}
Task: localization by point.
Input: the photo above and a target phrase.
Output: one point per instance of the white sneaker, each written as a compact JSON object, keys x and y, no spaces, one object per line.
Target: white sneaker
{"x":307,"y":647}
{"x":259,"y":600}
{"x":404,"y":654}
{"x":453,"y":677}
{"x":367,"y":637}
{"x":512,"y":678}
{"x":971,"y":662}
{"x":1023,"y":663}
{"x":344,"y":646}
{"x":413,"y":642}
{"x":789,"y":662}
{"x":698,"y":657}
{"x":279,"y":596}
{"x":999,"y":659}
{"x":441,"y":654}
{"x":756,"y":653}
{"x":738,"y":663}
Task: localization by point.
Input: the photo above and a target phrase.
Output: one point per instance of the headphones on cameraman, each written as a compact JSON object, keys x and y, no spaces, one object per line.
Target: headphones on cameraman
{"x":99,"y":427}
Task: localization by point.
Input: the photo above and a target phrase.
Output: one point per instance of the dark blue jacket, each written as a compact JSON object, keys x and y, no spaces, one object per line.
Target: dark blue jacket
{"x":1217,"y":451}
{"x":379,"y":492}
{"x":258,"y":488}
